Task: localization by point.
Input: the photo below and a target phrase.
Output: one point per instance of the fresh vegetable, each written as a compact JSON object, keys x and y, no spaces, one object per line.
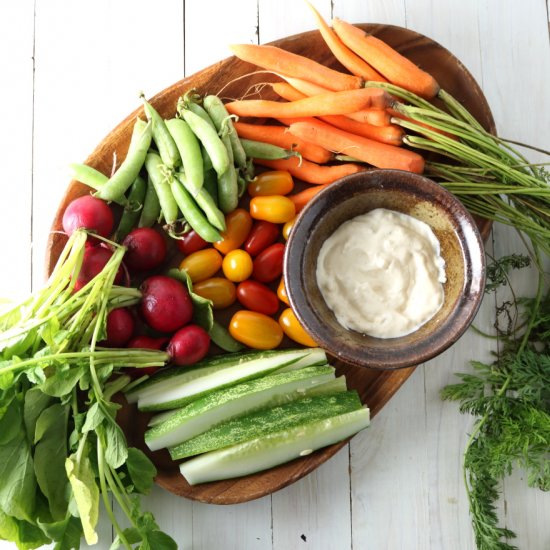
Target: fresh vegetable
{"x":262,"y":235}
{"x":273,"y":449}
{"x":273,"y":182}
{"x":191,"y":242}
{"x":188,"y":345}
{"x":220,"y":406}
{"x":221,"y":292}
{"x":94,"y":260}
{"x":221,"y":337}
{"x":161,"y":183}
{"x":389,"y":63}
{"x":303,"y":197}
{"x":262,"y":150}
{"x":88,"y":175}
{"x":390,"y":133}
{"x":150,"y":213}
{"x":237,"y":265}
{"x":276,"y":413}
{"x":120,"y":327}
{"x":294,"y":330}
{"x":89,"y":213}
{"x":281,"y":61}
{"x":177,"y":387}
{"x":146,"y":249}
{"x":202,"y":264}
{"x":287,"y":227}
{"x":258,"y":297}
{"x":255,"y":330}
{"x":273,"y":208}
{"x":237,"y":227}
{"x":132,"y":209}
{"x":165,"y":304}
{"x":268,"y":265}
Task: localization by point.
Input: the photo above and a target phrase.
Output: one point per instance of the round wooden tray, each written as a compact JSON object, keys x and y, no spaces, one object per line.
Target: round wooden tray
{"x":375,"y":387}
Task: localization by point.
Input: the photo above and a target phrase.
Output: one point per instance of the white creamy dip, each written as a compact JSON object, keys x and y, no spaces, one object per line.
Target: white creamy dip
{"x":381,"y":273}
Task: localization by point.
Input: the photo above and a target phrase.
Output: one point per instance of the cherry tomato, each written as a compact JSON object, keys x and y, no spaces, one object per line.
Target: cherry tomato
{"x":281,"y":292}
{"x":202,"y":264}
{"x":263,"y":234}
{"x":237,"y":265}
{"x":257,"y":297}
{"x":294,"y":330}
{"x":255,"y":330}
{"x":275,"y":182}
{"x":220,"y":291}
{"x":191,"y":242}
{"x":287,"y":228}
{"x":237,"y":227}
{"x":268,"y":265}
{"x":274,"y":208}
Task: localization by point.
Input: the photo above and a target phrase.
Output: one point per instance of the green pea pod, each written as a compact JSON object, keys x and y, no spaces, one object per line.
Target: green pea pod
{"x":161,"y":181}
{"x":241,"y":185}
{"x":206,"y":204}
{"x":211,"y":184}
{"x":192,"y":213}
{"x":224,"y":124}
{"x":150,"y":212}
{"x":221,"y":337}
{"x":89,"y":176}
{"x":206,"y":161}
{"x":260,"y":150}
{"x":163,"y":139}
{"x":209,"y":138}
{"x":132,"y":210}
{"x":200,"y":112}
{"x":190,"y":152}
{"x":228,"y":190}
{"x":128,"y":171}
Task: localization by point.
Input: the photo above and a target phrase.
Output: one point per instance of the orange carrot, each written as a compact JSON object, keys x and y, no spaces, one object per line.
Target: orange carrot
{"x":286,"y":91}
{"x":376,"y":117}
{"x":281,"y":61}
{"x":391,"y":64}
{"x":309,"y":171}
{"x":303,"y":197}
{"x":391,"y":133}
{"x":331,"y":103}
{"x":378,"y":154}
{"x":352,"y":62}
{"x":278,"y":135}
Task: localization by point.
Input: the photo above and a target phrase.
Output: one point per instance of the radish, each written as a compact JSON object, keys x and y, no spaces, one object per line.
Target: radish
{"x":95,"y":259}
{"x":165,"y":305}
{"x":120,"y":327}
{"x":89,"y":213}
{"x":145,"y":342}
{"x":146,"y":249}
{"x":189,"y":345}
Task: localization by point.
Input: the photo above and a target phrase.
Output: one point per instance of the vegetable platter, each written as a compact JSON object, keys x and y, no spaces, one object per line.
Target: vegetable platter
{"x":232,"y":79}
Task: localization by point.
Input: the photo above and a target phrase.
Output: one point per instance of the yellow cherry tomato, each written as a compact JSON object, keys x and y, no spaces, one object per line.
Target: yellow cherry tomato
{"x":237,"y":227}
{"x":202,"y":265}
{"x":255,"y":330}
{"x":294,"y":330}
{"x":281,"y":292}
{"x":219,"y":290}
{"x":237,"y":265}
{"x":272,"y":208}
{"x":287,"y":228}
{"x":274,"y":182}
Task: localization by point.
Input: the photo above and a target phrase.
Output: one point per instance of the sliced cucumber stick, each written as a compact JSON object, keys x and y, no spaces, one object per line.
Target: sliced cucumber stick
{"x":273,"y":449}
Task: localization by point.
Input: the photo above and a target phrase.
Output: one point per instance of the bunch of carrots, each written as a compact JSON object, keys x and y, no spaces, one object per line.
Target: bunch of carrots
{"x":327,"y":115}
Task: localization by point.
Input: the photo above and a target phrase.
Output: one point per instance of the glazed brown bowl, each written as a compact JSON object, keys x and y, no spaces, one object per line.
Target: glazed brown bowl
{"x":461,"y":248}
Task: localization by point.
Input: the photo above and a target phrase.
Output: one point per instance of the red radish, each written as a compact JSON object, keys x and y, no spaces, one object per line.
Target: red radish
{"x":120,"y":327}
{"x":147,"y":342}
{"x":165,"y":305}
{"x":189,"y":345}
{"x":95,"y":259}
{"x":146,"y":249}
{"x":89,"y":213}
{"x":191,"y":242}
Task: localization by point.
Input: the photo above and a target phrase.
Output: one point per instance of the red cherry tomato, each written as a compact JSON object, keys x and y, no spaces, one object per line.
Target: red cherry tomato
{"x":191,"y":242}
{"x":257,"y":297}
{"x":263,"y":234}
{"x":255,"y":330}
{"x":268,"y":265}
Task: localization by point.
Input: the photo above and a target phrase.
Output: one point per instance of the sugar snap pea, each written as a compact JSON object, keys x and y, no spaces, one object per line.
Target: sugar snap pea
{"x":221,"y":337}
{"x":228,"y":190}
{"x":132,"y":210}
{"x":211,"y":184}
{"x":120,"y":181}
{"x":199,"y":111}
{"x":261,"y":150}
{"x":150,"y":212}
{"x":89,"y":176}
{"x":161,"y":180}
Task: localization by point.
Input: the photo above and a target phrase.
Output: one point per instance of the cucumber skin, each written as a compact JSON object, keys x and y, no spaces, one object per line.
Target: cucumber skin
{"x":272,"y":450}
{"x":294,"y":364}
{"x":219,"y":398}
{"x":263,"y":422}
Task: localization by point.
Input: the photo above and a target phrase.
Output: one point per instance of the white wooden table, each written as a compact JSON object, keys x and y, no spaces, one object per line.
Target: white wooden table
{"x":71,"y":70}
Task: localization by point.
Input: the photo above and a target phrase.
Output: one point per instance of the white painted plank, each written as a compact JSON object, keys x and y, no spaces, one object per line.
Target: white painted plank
{"x":390,"y":12}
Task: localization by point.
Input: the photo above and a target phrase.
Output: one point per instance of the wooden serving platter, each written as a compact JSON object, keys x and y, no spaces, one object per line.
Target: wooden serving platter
{"x":232,"y":78}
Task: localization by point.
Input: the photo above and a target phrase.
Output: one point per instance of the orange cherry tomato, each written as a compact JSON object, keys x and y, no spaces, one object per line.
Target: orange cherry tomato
{"x":255,"y":330}
{"x":294,"y":330}
{"x":237,"y":265}
{"x":273,"y":208}
{"x":219,"y":290}
{"x":202,"y":265}
{"x":281,"y":292}
{"x":275,"y":182}
{"x":237,"y":227}
{"x":287,"y":228}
